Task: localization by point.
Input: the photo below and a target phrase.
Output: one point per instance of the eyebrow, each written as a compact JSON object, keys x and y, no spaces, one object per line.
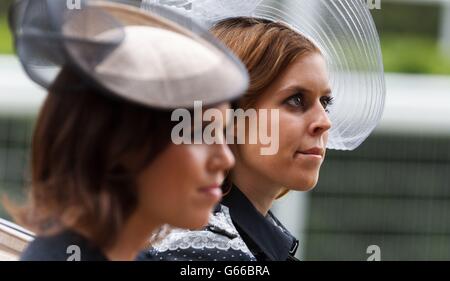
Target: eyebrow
{"x":326,"y":92}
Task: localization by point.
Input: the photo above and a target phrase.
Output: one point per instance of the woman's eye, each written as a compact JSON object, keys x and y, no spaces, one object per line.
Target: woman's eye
{"x":326,"y":102}
{"x":296,"y":100}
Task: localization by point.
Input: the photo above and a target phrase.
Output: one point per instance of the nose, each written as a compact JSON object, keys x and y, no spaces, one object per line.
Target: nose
{"x":222,"y":158}
{"x":320,"y":121}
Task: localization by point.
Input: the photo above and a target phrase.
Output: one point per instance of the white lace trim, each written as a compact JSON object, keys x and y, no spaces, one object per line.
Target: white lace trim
{"x":223,"y":221}
{"x":204,"y":239}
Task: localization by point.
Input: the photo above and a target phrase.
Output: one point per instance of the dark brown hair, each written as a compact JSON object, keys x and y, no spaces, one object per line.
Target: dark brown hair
{"x":266,"y":48}
{"x":87,"y":151}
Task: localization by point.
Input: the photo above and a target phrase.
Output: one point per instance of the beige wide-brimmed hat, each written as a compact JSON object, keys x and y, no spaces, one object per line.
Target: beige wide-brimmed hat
{"x":130,"y":53}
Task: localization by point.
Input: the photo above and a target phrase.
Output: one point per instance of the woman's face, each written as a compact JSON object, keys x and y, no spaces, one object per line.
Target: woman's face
{"x":182,"y":185}
{"x":302,"y":94}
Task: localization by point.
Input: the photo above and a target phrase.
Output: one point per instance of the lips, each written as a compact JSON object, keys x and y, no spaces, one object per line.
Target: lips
{"x":214,"y":186}
{"x":212,"y":192}
{"x":316,"y":152}
{"x":313,"y":151}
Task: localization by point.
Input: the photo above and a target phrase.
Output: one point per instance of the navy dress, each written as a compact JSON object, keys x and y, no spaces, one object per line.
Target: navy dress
{"x":236,"y":231}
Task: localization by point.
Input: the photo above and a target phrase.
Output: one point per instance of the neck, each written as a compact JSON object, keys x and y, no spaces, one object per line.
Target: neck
{"x":257,"y":188}
{"x":133,"y":238}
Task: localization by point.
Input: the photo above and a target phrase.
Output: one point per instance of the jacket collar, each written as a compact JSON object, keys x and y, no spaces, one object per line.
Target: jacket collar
{"x":266,"y":234}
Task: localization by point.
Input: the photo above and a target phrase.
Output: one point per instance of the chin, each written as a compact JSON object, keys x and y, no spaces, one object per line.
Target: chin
{"x":303,"y":184}
{"x":196,"y":223}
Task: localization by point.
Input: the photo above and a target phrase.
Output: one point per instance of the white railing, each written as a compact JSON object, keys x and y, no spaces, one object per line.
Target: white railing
{"x":18,"y":95}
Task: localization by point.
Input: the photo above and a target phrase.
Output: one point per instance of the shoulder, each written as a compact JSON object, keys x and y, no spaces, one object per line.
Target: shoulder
{"x":219,"y":240}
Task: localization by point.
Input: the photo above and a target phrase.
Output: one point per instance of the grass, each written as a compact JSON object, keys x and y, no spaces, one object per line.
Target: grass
{"x":413,"y":54}
{"x":5,"y":37}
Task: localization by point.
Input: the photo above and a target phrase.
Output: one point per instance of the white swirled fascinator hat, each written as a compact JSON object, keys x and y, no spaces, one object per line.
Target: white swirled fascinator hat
{"x":345,"y":33}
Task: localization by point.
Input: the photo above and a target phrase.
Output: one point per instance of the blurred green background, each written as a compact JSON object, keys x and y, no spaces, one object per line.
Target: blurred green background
{"x":5,"y":37}
{"x":409,"y":38}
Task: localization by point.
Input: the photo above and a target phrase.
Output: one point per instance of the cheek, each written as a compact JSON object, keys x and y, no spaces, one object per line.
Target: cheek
{"x":289,"y":173}
{"x":167,"y":187}
{"x":292,"y":138}
{"x":325,"y":138}
{"x":290,"y":131}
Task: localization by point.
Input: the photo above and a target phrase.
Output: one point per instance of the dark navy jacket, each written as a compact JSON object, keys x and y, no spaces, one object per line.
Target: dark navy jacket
{"x":62,"y":247}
